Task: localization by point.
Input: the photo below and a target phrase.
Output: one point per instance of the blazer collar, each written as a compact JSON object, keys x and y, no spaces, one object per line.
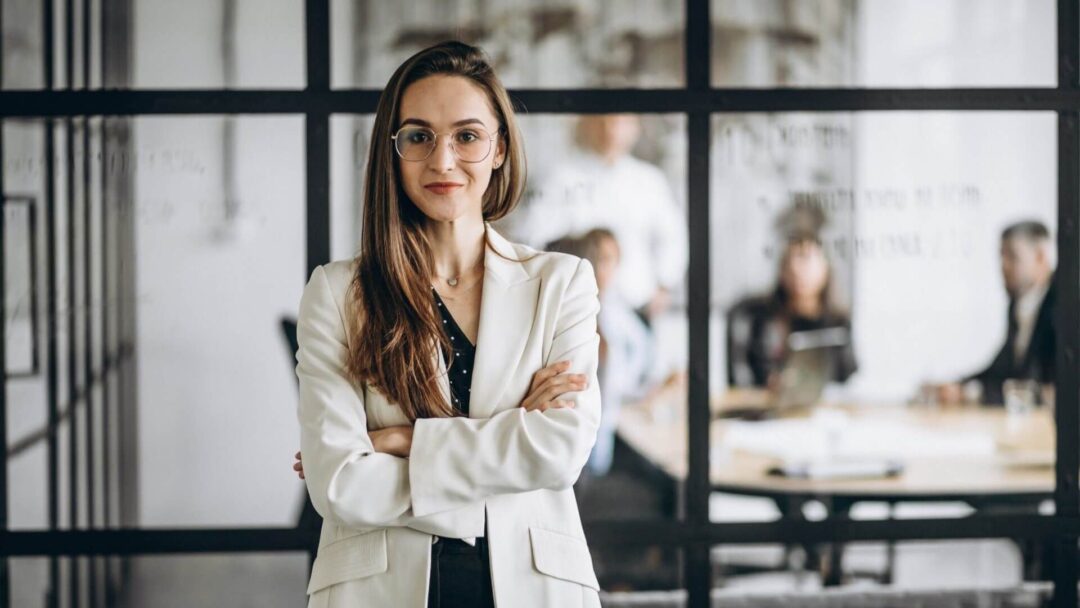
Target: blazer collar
{"x":496,"y":265}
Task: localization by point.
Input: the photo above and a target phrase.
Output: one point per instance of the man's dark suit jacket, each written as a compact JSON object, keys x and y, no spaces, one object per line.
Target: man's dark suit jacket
{"x":1038,"y":361}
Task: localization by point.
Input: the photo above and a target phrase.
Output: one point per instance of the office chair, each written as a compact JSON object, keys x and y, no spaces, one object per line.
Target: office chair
{"x":309,"y":518}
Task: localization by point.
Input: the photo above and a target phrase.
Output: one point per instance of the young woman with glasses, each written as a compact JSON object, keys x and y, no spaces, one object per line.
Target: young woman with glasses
{"x":448,"y":394}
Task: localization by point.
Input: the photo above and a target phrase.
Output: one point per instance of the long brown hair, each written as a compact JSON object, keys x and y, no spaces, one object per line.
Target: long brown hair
{"x":395,"y":327}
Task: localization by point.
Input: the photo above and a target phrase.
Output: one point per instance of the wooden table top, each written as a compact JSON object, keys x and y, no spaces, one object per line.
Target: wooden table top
{"x":1018,"y":461}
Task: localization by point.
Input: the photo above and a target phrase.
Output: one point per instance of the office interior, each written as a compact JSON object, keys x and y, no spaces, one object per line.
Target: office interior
{"x":172,"y":172}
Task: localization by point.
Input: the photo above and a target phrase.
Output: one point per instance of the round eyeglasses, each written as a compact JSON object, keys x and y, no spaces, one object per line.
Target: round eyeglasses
{"x":470,"y":144}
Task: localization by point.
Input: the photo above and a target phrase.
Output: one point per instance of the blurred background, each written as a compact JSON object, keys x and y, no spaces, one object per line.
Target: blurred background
{"x":881,"y":331}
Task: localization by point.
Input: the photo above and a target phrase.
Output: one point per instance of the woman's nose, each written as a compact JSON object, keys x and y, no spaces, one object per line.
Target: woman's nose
{"x":442,"y":157}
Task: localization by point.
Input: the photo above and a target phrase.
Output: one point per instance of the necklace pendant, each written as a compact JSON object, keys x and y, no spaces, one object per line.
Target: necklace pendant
{"x":452,"y":282}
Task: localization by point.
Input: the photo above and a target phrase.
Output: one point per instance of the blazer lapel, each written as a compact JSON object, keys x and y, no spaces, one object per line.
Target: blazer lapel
{"x":507,"y":309}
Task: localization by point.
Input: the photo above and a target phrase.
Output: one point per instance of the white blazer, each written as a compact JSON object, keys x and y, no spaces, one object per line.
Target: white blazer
{"x":502,"y":464}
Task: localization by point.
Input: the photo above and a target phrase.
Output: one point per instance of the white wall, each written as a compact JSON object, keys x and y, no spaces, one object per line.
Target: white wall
{"x":937,"y":311}
{"x":929,"y":301}
{"x":217,"y":391}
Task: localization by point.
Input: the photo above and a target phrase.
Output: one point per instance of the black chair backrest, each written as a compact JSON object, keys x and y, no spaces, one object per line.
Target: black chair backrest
{"x":288,"y":327}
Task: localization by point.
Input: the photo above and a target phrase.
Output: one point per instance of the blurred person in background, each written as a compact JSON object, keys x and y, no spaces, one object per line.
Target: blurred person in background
{"x":1027,"y":270}
{"x":803,"y":300}
{"x":601,"y":185}
{"x":612,"y":486}
{"x":626,"y":349}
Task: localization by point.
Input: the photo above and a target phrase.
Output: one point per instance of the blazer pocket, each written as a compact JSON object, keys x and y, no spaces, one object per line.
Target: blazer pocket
{"x":351,"y":557}
{"x":566,"y":557}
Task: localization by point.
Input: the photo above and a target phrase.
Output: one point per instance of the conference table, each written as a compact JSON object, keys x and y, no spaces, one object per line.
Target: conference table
{"x":981,"y":456}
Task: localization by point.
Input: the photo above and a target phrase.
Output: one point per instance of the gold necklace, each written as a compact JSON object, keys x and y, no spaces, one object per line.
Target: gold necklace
{"x":453,"y":281}
{"x":462,"y":291}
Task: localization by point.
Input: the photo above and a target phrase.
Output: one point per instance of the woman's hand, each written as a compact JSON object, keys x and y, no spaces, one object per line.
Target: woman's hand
{"x":299,"y":466}
{"x":393,"y":440}
{"x":396,"y":440}
{"x":550,"y":384}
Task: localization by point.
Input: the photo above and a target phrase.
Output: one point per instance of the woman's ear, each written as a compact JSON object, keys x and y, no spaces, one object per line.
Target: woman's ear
{"x":500,"y":152}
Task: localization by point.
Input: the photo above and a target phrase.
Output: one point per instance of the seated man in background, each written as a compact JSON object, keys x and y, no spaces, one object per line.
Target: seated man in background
{"x":1027,"y":267}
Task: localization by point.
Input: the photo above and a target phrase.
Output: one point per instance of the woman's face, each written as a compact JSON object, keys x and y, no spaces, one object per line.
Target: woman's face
{"x":806,"y":271}
{"x":442,"y":186}
{"x":612,"y":135}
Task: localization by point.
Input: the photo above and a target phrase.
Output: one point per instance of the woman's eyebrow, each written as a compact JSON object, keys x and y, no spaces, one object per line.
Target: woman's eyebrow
{"x":424,"y":123}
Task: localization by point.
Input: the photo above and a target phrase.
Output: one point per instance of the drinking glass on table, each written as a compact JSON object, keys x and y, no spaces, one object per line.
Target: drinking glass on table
{"x":1020,"y":395}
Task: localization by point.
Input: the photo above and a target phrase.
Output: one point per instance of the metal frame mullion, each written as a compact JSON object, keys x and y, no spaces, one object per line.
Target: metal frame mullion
{"x":5,"y":574}
{"x":74,"y":397}
{"x":317,"y":167}
{"x":317,"y":177}
{"x":668,"y":533}
{"x":1067,"y":391}
{"x":110,"y":356}
{"x":114,"y":102}
{"x":52,"y":346}
{"x":317,"y":134}
{"x":697,"y":569}
{"x":93,"y":564}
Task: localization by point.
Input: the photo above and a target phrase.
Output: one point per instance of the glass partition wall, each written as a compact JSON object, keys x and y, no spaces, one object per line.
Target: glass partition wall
{"x":173,"y":173}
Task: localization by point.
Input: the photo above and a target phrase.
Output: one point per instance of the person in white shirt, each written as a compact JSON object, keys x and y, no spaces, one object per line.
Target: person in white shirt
{"x":601,"y":185}
{"x":1027,"y":267}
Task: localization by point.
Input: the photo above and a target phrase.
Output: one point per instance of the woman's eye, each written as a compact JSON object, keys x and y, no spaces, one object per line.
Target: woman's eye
{"x":417,"y":137}
{"x":467,"y":137}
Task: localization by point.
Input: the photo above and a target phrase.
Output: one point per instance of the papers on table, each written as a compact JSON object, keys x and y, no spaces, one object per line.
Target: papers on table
{"x":832,"y":435}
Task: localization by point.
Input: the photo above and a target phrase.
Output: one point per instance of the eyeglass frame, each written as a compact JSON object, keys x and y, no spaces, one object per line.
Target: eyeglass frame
{"x":435,"y":143}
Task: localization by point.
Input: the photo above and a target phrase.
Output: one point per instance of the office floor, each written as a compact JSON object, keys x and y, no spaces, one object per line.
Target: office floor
{"x":234,"y":580}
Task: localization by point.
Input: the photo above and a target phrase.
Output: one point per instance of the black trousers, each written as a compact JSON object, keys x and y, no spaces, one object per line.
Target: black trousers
{"x":460,"y":575}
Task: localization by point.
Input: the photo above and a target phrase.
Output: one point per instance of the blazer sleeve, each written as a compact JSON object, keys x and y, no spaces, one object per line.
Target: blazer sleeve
{"x":1002,"y":365}
{"x":348,"y":481}
{"x":455,"y":461}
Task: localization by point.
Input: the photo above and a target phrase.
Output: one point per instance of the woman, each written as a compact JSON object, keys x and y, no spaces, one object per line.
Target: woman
{"x":760,"y":329}
{"x":448,"y":394}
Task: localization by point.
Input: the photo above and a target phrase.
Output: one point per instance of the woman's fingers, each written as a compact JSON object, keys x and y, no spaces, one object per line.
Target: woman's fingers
{"x":556,"y":404}
{"x":553,"y":388}
{"x":548,"y":372}
{"x":563,"y":383}
{"x":298,"y":466}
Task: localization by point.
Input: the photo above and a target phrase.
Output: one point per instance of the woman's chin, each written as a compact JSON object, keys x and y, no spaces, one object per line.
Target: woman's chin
{"x":446,"y":211}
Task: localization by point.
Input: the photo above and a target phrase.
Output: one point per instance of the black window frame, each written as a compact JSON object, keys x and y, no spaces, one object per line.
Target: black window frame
{"x":695,"y":534}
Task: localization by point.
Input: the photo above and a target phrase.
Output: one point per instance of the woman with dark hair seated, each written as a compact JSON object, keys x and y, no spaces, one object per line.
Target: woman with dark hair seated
{"x":760,"y":329}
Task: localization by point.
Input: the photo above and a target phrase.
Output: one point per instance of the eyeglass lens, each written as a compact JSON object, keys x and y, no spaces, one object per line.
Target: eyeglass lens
{"x":471,"y":144}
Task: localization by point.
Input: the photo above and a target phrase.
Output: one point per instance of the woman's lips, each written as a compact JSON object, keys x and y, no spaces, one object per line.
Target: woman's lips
{"x":442,"y":187}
